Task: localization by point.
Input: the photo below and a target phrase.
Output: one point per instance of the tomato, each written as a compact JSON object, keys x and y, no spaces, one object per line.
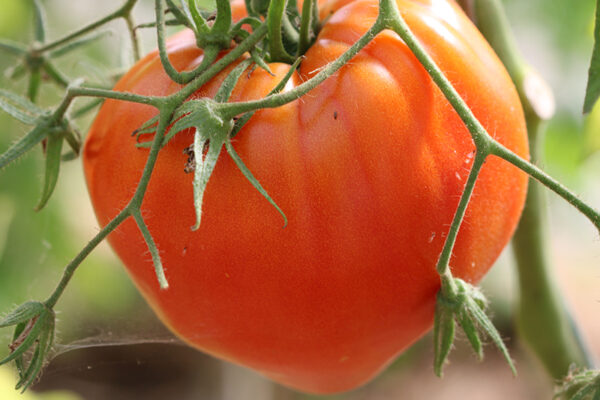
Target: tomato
{"x":368,"y":168}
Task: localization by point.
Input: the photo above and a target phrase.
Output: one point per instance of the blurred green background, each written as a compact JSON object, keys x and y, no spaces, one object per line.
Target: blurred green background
{"x":110,"y":344}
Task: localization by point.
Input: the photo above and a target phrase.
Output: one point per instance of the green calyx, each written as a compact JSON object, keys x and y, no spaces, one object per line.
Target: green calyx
{"x":34,"y":331}
{"x":580,"y":385}
{"x":459,"y":302}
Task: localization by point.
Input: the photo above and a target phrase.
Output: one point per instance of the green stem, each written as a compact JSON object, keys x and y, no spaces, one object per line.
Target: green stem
{"x":122,"y":12}
{"x":72,"y":266}
{"x":230,"y":110}
{"x":248,"y":44}
{"x":395,"y":22}
{"x":551,"y":183}
{"x":135,"y":41}
{"x":33,"y":88}
{"x":305,"y":25}
{"x":478,"y":133}
{"x":132,"y":208}
{"x":210,"y":53}
{"x":158,"y":266}
{"x":444,"y":260}
{"x":55,"y":74}
{"x":199,"y":21}
{"x":111,"y":94}
{"x":40,"y":22}
{"x":12,"y":47}
{"x":223,"y":19}
{"x":542,"y":318}
{"x":275,"y":16}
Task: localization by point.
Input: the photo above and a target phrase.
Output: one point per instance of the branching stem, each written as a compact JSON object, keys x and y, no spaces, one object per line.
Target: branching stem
{"x":122,"y":12}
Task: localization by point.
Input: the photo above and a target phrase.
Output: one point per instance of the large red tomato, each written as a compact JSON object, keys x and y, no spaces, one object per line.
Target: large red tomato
{"x":368,"y":167}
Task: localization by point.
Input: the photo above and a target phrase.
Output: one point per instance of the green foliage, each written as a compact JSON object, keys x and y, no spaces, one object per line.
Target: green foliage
{"x":593,"y":85}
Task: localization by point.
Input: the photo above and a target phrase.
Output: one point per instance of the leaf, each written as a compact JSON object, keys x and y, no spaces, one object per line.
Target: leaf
{"x":37,"y":360}
{"x":23,"y":145}
{"x":240,"y":164}
{"x":226,"y":88}
{"x":70,"y":46}
{"x":53,"y":158}
{"x":463,"y":302}
{"x":35,"y":80}
{"x":592,"y":91}
{"x":470,"y":330}
{"x":29,"y":340}
{"x":156,"y":260}
{"x":205,"y":166}
{"x":582,"y":393}
{"x":36,"y":333}
{"x":443,"y":337}
{"x":39,"y":21}
{"x":488,"y":327}
{"x":57,"y":76}
{"x":19,"y":107}
{"x":12,"y":47}
{"x":22,"y":313}
{"x":179,"y":15}
{"x":278,"y":88}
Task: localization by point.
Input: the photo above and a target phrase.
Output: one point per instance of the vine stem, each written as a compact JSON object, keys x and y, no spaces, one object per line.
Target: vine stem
{"x":305,"y":26}
{"x":131,"y":210}
{"x":543,"y":320}
{"x":122,"y":12}
{"x":275,"y":17}
{"x":551,"y":183}
{"x":72,"y":266}
{"x":135,"y":40}
{"x":480,"y":136}
{"x":230,"y":110}
{"x":239,"y":50}
{"x":444,"y":259}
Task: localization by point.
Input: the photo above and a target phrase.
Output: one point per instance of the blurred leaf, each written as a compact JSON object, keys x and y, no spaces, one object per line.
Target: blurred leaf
{"x":593,"y":86}
{"x":592,"y":132}
{"x":53,"y":153}
{"x":19,"y":107}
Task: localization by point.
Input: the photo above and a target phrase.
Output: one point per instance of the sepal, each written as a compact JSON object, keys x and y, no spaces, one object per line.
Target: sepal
{"x":34,"y":332}
{"x":462,"y":303}
{"x":580,"y":385}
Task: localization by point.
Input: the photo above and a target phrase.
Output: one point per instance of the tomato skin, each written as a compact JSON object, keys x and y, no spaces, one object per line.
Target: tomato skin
{"x":368,"y":168}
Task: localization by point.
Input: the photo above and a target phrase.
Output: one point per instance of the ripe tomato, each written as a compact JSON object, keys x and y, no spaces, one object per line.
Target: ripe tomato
{"x":368,"y":167}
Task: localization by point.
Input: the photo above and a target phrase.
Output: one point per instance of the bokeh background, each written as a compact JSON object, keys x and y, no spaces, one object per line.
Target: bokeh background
{"x":109,"y":344}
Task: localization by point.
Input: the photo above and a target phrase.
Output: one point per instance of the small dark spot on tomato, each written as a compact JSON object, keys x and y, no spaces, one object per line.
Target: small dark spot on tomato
{"x":184,"y":252}
{"x":335,"y":115}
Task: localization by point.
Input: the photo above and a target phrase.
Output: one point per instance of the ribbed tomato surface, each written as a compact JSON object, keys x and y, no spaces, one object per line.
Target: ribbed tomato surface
{"x":368,"y":168}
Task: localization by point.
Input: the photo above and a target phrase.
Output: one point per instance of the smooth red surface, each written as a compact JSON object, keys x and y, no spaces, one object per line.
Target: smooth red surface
{"x":368,"y":167}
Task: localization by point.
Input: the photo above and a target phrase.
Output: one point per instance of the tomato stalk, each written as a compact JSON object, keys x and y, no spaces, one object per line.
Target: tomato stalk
{"x":483,"y":141}
{"x":275,"y":18}
{"x":542,"y":319}
{"x":308,"y":16}
{"x":277,"y":100}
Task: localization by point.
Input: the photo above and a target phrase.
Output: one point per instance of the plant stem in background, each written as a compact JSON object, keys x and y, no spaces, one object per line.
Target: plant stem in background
{"x":543,"y":320}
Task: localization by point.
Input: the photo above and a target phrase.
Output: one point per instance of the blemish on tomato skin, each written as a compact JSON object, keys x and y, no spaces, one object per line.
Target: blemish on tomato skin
{"x":184,"y":251}
{"x":344,"y":359}
{"x":430,"y":240}
{"x":335,"y":115}
{"x":227,"y":275}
